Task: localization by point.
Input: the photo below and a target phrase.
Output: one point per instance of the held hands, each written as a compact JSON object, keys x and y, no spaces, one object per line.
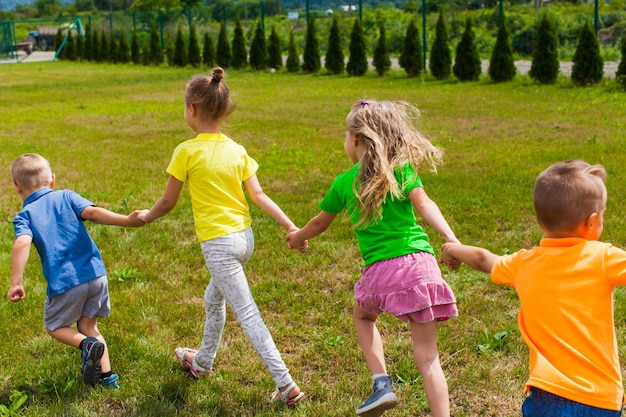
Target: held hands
{"x":294,"y":243}
{"x":141,"y":216}
{"x":134,"y":220}
{"x":16,"y":293}
{"x":446,"y":258}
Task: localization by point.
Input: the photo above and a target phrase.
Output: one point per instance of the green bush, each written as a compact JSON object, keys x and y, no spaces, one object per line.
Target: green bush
{"x":156,"y":52}
{"x":502,"y":64}
{"x":545,"y":63}
{"x":357,"y":62}
{"x":274,"y":52}
{"x":258,"y":48}
{"x":620,"y":75}
{"x":113,"y":48}
{"x":440,"y":63}
{"x":334,"y":61}
{"x":381,"y":61}
{"x":588,"y":65}
{"x":208,"y":51}
{"x":311,"y":57}
{"x":135,"y":51}
{"x":123,"y":51}
{"x":411,"y":57}
{"x":240,"y":53}
{"x":193,"y":55}
{"x":180,"y":50}
{"x":467,"y":65}
{"x":169,"y":50}
{"x":104,"y":47}
{"x":293,"y":58}
{"x":223,"y":54}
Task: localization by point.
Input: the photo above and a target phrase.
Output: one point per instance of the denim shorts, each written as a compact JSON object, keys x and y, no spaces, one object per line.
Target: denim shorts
{"x":540,"y":403}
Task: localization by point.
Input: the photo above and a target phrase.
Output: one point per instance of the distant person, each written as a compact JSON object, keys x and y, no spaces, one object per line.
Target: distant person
{"x":217,"y":170}
{"x":401,"y":275}
{"x":77,"y":282}
{"x":565,"y":286}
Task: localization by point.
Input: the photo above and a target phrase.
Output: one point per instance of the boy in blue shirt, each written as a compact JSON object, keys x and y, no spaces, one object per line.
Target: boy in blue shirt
{"x":77,"y":284}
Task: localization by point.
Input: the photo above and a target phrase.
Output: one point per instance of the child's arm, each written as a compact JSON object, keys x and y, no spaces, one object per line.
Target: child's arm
{"x":19,"y":258}
{"x":430,"y":212}
{"x":315,"y":227}
{"x":103,"y":216}
{"x":477,"y":258}
{"x":165,"y":204}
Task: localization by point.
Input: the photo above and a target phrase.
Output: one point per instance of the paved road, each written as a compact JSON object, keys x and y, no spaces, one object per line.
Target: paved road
{"x":610,"y":68}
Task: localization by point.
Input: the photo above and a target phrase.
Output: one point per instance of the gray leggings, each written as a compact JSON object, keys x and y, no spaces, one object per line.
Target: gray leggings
{"x":225,"y":258}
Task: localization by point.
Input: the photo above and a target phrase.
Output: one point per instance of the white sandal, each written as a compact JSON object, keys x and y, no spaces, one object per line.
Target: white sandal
{"x":196,"y":370}
{"x":283,"y":395}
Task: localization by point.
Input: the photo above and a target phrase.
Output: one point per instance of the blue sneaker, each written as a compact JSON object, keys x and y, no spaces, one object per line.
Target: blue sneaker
{"x":381,"y":399}
{"x":109,"y":381}
{"x":93,"y":350}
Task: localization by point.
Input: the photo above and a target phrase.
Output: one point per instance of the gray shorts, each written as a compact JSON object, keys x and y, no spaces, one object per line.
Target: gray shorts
{"x":88,"y":299}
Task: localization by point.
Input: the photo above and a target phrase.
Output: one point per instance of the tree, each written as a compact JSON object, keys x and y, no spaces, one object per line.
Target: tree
{"x":169,"y":50}
{"x":208,"y":51}
{"x":193,"y":56}
{"x":467,"y":65}
{"x":58,"y":40}
{"x":223,"y":55}
{"x":145,"y":53}
{"x":334,"y":61}
{"x":80,"y":47}
{"x":180,"y":50}
{"x":502,"y":64}
{"x":70,"y":47}
{"x":293,"y":58}
{"x":440,"y":62}
{"x":88,"y":53}
{"x":96,"y":51}
{"x":240,"y":54}
{"x":545,"y":63}
{"x":104,"y":46}
{"x":258,"y":48}
{"x":274,"y":52}
{"x":156,"y":52}
{"x":411,"y":57}
{"x":123,"y":52}
{"x":588,"y":65}
{"x":357,"y":62}
{"x":381,"y":61}
{"x":311,"y":56}
{"x":620,"y":74}
{"x":135,"y":53}
{"x":113,"y":48}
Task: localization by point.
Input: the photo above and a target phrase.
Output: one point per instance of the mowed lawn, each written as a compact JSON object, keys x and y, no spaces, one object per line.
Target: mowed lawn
{"x":109,"y":132}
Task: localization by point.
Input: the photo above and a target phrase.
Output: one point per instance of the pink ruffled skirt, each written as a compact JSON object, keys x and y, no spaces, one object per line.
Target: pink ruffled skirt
{"x":410,"y":287}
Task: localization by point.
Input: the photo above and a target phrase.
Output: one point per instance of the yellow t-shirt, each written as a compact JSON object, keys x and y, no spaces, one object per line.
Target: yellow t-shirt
{"x":565,"y":287}
{"x":215,"y":167}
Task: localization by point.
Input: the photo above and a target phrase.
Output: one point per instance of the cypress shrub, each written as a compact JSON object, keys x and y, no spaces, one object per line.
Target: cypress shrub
{"x":58,"y":40}
{"x":274,"y":52}
{"x":467,"y":65}
{"x":104,"y":46}
{"x":258,"y":48}
{"x":311,"y":56}
{"x":502,"y":64}
{"x":113,"y":48}
{"x":145,"y":53}
{"x":156,"y":52}
{"x":123,"y":52}
{"x":240,"y":54}
{"x":87,"y":55}
{"x":96,"y":52}
{"x":180,"y":51}
{"x":208,"y":51}
{"x":381,"y":61}
{"x":334,"y":61}
{"x":193,"y":56}
{"x":135,"y":51}
{"x":440,"y":62}
{"x":620,"y":74}
{"x":293,"y":58}
{"x":80,"y":47}
{"x":545,"y":63}
{"x":223,"y":55}
{"x":169,"y":50}
{"x":411,"y":56}
{"x":70,"y":47}
{"x":357,"y":62}
{"x":588,"y":65}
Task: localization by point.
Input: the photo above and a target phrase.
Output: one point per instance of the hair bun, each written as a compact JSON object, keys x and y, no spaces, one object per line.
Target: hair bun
{"x":217,"y":74}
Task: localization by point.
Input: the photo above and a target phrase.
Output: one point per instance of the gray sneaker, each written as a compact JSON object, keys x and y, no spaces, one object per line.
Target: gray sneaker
{"x":381,"y":399}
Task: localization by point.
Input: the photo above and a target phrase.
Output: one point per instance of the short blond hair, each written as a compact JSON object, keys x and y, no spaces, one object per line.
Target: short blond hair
{"x":566,"y":193}
{"x":31,"y":170}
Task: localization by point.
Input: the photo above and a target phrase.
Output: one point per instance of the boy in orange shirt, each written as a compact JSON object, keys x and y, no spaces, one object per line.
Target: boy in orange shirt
{"x":565,"y":286}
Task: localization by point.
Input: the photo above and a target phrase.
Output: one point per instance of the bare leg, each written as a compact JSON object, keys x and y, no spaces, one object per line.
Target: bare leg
{"x":369,"y":340}
{"x":426,"y":359}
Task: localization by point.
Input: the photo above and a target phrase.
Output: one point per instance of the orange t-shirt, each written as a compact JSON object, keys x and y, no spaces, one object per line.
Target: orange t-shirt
{"x":565,"y":287}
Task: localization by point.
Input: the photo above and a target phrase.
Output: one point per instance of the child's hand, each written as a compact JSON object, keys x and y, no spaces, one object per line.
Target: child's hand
{"x":134,"y":219}
{"x":294,"y":242}
{"x":446,"y":258}
{"x":16,"y":293}
{"x":141,"y":215}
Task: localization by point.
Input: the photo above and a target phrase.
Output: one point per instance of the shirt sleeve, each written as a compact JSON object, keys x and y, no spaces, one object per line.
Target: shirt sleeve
{"x":178,"y":164}
{"x":334,"y":202}
{"x":409,"y":179}
{"x":21,"y":225}
{"x":250,"y":166}
{"x":615,"y":265}
{"x":503,"y":271}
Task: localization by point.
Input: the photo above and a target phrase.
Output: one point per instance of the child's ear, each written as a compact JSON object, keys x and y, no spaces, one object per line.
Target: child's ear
{"x":52,"y":181}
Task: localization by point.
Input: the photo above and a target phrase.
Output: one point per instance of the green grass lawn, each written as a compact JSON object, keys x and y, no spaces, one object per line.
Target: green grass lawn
{"x":109,"y":131}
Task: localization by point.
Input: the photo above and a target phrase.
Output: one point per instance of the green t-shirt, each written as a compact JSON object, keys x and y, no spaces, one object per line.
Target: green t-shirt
{"x":396,"y":233}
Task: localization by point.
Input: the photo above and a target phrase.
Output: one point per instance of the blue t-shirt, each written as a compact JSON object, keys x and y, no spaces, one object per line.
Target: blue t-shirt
{"x":68,"y":255}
